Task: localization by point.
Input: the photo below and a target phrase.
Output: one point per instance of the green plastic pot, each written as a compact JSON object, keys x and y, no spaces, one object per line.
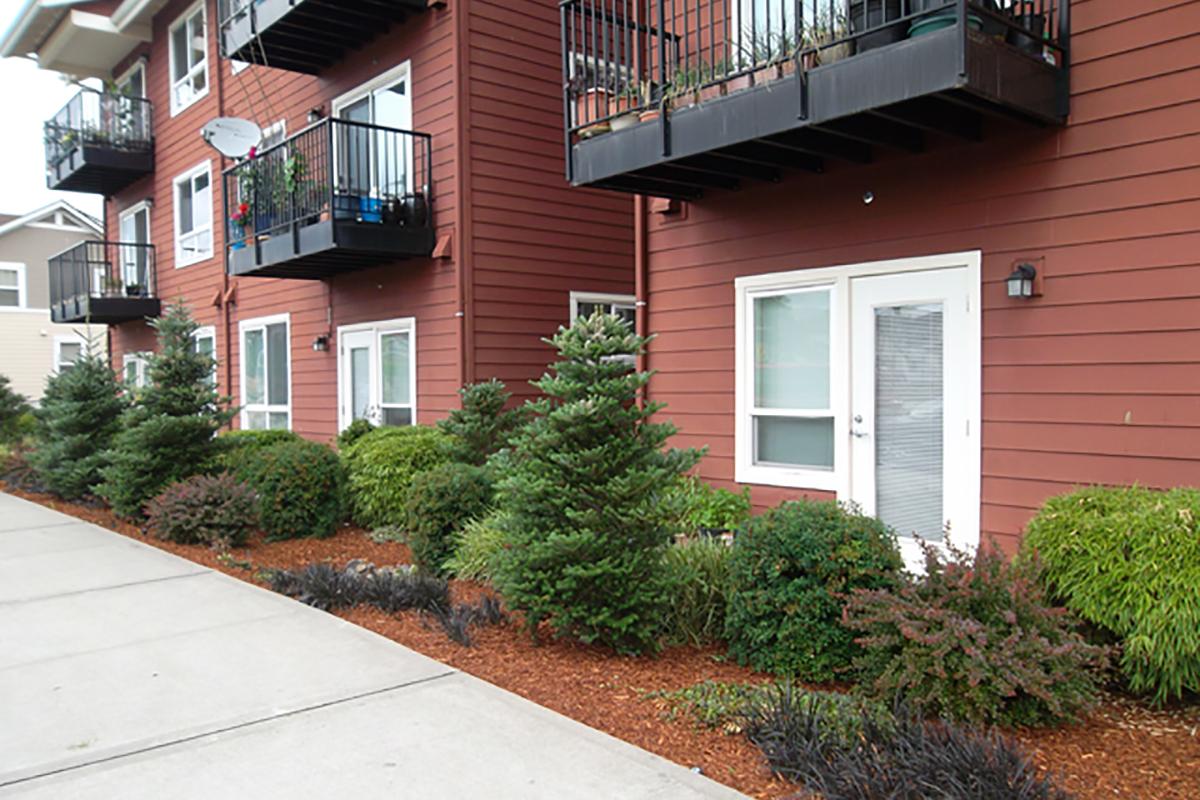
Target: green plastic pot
{"x":940,"y":22}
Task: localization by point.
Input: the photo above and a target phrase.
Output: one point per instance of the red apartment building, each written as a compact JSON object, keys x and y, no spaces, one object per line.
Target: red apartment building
{"x":406,"y":225}
{"x":846,"y":190}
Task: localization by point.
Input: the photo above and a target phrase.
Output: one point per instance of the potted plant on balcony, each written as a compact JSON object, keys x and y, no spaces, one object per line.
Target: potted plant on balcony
{"x":111,"y":287}
{"x":624,"y":107}
{"x":946,"y":18}
{"x":591,"y":106}
{"x":134,"y":290}
{"x":239,"y":224}
{"x":829,"y":26}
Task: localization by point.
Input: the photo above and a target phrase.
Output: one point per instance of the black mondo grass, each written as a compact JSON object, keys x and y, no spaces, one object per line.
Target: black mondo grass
{"x":841,"y":750}
{"x":456,"y":621}
{"x":325,"y":587}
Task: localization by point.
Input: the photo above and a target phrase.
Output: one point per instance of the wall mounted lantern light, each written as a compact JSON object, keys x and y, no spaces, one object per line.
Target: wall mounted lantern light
{"x":1021,"y":280}
{"x":321,"y":344}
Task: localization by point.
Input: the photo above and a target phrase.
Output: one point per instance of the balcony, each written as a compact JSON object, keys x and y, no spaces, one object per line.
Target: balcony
{"x":336,"y":197}
{"x":104,"y":283}
{"x":673,"y":99}
{"x":306,"y":36}
{"x":99,"y":143}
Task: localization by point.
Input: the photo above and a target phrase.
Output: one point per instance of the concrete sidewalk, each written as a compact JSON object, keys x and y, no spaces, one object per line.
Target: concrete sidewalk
{"x":126,"y":672}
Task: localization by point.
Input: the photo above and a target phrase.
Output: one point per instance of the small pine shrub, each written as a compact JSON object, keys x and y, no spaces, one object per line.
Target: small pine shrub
{"x":482,"y":427}
{"x":382,"y":464}
{"x":301,"y":489}
{"x":585,"y":531}
{"x":974,"y":639}
{"x":440,"y":501}
{"x":698,"y":591}
{"x":218,"y":511}
{"x":839,"y":750}
{"x":1128,"y":561}
{"x":79,"y":416}
{"x":353,"y":432}
{"x":236,"y":449}
{"x":476,"y":547}
{"x":790,"y":573}
{"x":13,"y":409}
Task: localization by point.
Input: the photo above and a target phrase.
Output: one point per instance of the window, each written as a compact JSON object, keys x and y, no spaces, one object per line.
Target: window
{"x":584,"y":304}
{"x":377,"y":366}
{"x":189,"y":59}
{"x":12,"y":285}
{"x":67,"y":350}
{"x":135,"y":261}
{"x":266,"y":371}
{"x":135,"y":370}
{"x":193,"y":216}
{"x":373,"y":162}
{"x":205,"y":343}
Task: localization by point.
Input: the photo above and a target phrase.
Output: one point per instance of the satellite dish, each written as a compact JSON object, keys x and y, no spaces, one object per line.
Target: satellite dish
{"x":232,"y":136}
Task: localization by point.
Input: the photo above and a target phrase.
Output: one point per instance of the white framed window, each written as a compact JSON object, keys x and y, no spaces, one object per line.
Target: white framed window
{"x":372,"y":162}
{"x":193,"y":215}
{"x":135,"y":370}
{"x":266,"y":370}
{"x":377,"y":372}
{"x":188,"y":39}
{"x":68,"y":349}
{"x":13,"y":291}
{"x":584,"y":304}
{"x":205,"y":342}
{"x":134,"y":226}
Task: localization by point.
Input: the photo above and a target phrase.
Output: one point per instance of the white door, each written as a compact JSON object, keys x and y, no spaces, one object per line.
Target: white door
{"x":357,"y":357}
{"x":914,"y":406}
{"x":135,"y":230}
{"x":373,"y":161}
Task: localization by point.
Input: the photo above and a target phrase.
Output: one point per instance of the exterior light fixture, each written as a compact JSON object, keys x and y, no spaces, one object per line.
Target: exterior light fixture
{"x":1020,"y":281}
{"x":321,"y":344}
{"x":316,"y":114}
{"x":868,"y":198}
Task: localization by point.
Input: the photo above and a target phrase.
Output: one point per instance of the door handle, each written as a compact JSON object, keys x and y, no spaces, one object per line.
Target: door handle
{"x":859,"y":434}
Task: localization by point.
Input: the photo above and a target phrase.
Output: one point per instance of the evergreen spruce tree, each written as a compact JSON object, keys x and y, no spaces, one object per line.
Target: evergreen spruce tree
{"x":168,"y":433}
{"x":79,"y":415}
{"x":481,"y":427}
{"x":12,"y":407}
{"x":584,"y":529}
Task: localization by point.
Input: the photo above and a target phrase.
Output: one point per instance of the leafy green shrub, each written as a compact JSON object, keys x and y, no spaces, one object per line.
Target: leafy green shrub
{"x":13,"y":407}
{"x":840,"y":750}
{"x":790,"y":572}
{"x":698,"y":591}
{"x":383,"y":463}
{"x":704,"y":506}
{"x":481,"y":427}
{"x":353,"y":432}
{"x":236,"y":449}
{"x":79,"y":415}
{"x":1128,"y":561}
{"x":440,"y":501}
{"x":974,"y":639}
{"x":169,"y":433}
{"x":476,"y":547}
{"x":219,"y":511}
{"x":301,"y":489}
{"x":585,"y":533}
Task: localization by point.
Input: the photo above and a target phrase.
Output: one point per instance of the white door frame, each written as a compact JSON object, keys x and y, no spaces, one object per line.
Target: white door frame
{"x":377,"y":330}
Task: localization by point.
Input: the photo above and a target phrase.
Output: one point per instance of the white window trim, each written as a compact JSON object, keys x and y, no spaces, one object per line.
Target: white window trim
{"x":263,"y":322}
{"x":176,"y":106}
{"x":380,"y":328}
{"x":210,"y":332}
{"x":143,"y":374}
{"x":138,"y":64}
{"x":183,"y":259}
{"x":22,"y":286}
{"x":67,"y":338}
{"x":598,"y":297}
{"x":749,"y":287}
{"x":403,"y":70}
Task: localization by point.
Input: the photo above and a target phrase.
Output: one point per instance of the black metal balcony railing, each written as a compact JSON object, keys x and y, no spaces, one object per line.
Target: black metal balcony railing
{"x":629,"y":61}
{"x":306,"y":36}
{"x":100,"y":142}
{"x":103,"y":282}
{"x":335,"y":195}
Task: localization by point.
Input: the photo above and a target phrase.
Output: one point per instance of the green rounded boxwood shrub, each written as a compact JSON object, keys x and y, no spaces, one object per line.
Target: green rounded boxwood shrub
{"x":215,"y":510}
{"x":1128,"y":561}
{"x":475,"y":548}
{"x":789,"y":574}
{"x":236,"y":449}
{"x":381,"y":465}
{"x":440,"y":501}
{"x":353,"y":432}
{"x":301,"y":487}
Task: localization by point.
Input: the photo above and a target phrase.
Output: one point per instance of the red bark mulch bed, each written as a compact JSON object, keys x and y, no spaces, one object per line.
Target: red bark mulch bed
{"x":1123,"y":750}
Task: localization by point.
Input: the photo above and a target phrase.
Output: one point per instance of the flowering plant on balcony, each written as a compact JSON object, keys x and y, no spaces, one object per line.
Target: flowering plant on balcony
{"x":241,"y":216}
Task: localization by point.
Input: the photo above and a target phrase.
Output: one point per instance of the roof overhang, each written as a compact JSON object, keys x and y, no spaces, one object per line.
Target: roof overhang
{"x":65,"y":37}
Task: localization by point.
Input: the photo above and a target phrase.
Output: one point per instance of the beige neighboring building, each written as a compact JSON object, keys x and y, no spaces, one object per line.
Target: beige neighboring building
{"x":33,"y":348}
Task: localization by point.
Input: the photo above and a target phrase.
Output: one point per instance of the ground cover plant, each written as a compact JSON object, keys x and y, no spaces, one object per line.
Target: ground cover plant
{"x":381,"y":465}
{"x":1127,"y":560}
{"x":790,"y":574}
{"x":976,"y":639}
{"x":585,"y":533}
{"x":78,"y":418}
{"x":214,"y":510}
{"x":301,"y":488}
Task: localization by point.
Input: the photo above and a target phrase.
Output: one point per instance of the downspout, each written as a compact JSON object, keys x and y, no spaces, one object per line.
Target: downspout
{"x":641,"y":260}
{"x":464,"y":253}
{"x":226,"y":320}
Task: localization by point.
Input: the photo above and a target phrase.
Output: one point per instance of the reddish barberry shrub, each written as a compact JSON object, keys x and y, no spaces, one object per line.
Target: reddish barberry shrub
{"x":219,"y":511}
